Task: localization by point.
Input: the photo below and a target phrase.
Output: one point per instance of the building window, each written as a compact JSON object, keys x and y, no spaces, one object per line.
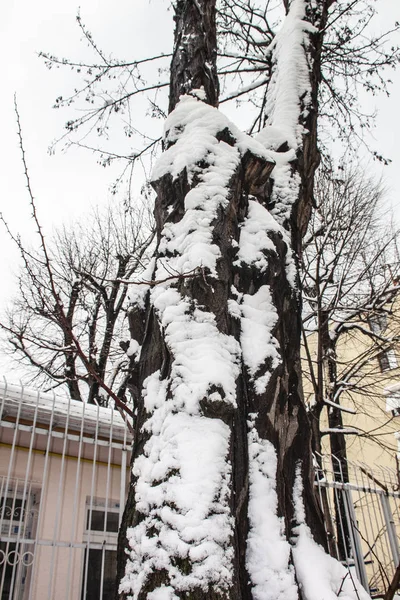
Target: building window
{"x":12,"y":513}
{"x":100,"y":560}
{"x":18,"y":519}
{"x":393,"y":403}
{"x":101,"y":567}
{"x":387,"y":360}
{"x":97,"y":517}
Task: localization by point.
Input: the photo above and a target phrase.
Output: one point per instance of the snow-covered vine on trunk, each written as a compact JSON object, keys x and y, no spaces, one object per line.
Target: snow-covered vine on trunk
{"x":215,"y":499}
{"x":287,"y":105}
{"x":182,"y":489}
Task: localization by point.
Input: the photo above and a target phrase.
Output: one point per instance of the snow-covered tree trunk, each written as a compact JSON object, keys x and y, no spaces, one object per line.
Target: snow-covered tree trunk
{"x":222,"y":502}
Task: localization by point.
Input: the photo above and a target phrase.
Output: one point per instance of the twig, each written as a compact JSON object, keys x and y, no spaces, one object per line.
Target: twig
{"x":60,"y":308}
{"x":354,"y":585}
{"x":152,"y":283}
{"x":384,"y":487}
{"x":342,"y":584}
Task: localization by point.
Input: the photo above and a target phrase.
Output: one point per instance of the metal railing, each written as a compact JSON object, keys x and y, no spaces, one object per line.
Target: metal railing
{"x":362,"y":517}
{"x":63,"y":480}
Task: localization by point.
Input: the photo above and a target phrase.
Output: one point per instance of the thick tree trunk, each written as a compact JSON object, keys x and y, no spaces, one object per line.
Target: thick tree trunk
{"x":218,"y":379}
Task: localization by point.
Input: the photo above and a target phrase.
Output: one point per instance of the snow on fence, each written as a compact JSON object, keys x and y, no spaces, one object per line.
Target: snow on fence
{"x":362,"y":519}
{"x":63,"y":483}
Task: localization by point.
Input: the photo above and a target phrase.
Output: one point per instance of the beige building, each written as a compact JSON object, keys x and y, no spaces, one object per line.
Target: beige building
{"x":362,"y":502}
{"x":64,"y":471}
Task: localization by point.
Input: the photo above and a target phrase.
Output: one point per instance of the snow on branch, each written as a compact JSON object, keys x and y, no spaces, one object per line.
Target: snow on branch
{"x":339,"y":407}
{"x":344,"y":430}
{"x":289,"y":92}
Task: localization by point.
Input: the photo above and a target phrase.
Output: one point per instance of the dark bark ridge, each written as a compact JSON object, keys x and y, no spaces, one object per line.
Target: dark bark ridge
{"x":193,"y":65}
{"x":248,"y":406}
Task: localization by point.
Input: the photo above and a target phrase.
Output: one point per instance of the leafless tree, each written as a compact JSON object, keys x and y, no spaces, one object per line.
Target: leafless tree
{"x":350,"y":282}
{"x":208,"y":396}
{"x":73,"y":292}
{"x":353,"y":58}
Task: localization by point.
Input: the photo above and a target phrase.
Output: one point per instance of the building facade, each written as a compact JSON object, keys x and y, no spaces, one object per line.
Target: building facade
{"x":63,"y":479}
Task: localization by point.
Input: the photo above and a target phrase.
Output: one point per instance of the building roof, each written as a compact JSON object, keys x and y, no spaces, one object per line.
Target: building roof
{"x":21,"y":403}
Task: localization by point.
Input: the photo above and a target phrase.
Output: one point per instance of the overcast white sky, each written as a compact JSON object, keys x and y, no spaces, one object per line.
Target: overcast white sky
{"x":66,"y":184}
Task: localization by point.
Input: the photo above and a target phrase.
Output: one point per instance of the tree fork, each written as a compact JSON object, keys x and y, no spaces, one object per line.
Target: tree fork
{"x":265,"y":421}
{"x":193,"y":64}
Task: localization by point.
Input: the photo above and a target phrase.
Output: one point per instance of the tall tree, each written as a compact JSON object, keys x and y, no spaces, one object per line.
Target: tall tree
{"x":68,"y":318}
{"x":350,"y":283}
{"x":221,"y":502}
{"x":348,"y":278}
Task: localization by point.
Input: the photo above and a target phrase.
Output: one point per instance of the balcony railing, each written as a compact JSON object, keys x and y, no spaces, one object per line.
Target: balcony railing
{"x":362,"y":517}
{"x":63,"y":483}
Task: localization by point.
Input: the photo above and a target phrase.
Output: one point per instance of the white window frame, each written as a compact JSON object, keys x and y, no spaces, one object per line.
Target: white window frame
{"x":98,"y":540}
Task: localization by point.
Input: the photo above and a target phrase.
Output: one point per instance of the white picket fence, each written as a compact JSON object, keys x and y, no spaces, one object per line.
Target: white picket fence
{"x":63,"y":482}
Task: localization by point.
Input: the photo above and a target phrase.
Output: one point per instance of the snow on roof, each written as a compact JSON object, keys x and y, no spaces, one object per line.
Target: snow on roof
{"x":20,"y":402}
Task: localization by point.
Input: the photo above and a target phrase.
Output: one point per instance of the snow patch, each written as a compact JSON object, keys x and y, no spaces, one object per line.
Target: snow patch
{"x":202,"y":355}
{"x":268,"y":552}
{"x":191,"y":130}
{"x":134,"y":348}
{"x":255,"y":242}
{"x":165,"y":592}
{"x":258,"y":317}
{"x":183,"y":491}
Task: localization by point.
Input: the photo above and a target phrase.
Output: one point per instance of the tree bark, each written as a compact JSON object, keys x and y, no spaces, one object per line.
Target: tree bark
{"x":264,"y":418}
{"x":193,"y":65}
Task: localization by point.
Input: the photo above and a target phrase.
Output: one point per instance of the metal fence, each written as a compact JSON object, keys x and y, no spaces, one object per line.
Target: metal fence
{"x":362,"y":517}
{"x":63,"y":480}
{"x":63,"y":483}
